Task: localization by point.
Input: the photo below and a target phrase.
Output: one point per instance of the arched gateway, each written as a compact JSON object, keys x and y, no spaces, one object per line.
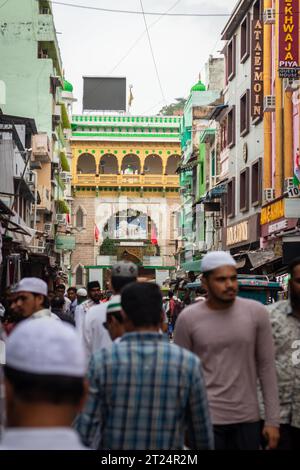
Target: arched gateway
{"x":124,"y":178}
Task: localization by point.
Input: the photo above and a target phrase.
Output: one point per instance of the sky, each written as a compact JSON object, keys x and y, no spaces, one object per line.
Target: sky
{"x":94,"y":42}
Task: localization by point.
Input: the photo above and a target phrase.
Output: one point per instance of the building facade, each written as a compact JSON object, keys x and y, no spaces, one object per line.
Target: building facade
{"x":126,"y":193}
{"x":197,"y":167}
{"x":33,"y":86}
{"x":243,"y":95}
{"x":18,"y":200}
{"x":281,"y":176}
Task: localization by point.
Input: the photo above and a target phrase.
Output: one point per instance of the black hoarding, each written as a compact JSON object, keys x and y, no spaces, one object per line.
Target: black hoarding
{"x":104,"y":93}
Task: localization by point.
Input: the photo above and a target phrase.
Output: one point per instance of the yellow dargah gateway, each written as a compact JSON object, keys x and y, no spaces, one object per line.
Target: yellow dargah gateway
{"x":126,"y":193}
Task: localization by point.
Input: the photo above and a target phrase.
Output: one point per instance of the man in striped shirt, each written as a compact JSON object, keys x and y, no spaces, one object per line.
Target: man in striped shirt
{"x":144,"y":392}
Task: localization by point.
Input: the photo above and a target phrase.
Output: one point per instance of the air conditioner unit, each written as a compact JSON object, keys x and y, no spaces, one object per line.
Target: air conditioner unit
{"x":48,"y":228}
{"x":288,"y":184}
{"x":269,"y":103}
{"x":269,"y":195}
{"x":218,"y":223}
{"x":66,"y":177}
{"x":269,"y":16}
{"x":57,"y":113}
{"x":289,"y":84}
{"x":61,"y":219}
{"x":30,"y":178}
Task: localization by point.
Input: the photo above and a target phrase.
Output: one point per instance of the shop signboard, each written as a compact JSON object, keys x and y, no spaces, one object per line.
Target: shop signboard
{"x":257,"y":80}
{"x":161,"y":276}
{"x":289,"y":39}
{"x":242,"y":233}
{"x":65,"y":242}
{"x":281,"y":215}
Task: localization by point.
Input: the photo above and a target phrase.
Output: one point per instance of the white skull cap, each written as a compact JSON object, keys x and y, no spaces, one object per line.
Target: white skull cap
{"x":82,"y":292}
{"x":216,"y":259}
{"x":32,"y":284}
{"x":46,"y":347}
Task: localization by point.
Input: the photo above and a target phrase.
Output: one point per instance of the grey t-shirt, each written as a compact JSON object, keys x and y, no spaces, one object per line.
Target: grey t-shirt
{"x":236,"y":348}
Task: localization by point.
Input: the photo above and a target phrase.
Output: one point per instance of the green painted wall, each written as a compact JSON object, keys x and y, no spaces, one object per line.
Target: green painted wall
{"x":26,"y":78}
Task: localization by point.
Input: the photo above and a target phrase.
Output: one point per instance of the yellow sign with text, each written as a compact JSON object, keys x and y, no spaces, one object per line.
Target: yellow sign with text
{"x":272,"y":212}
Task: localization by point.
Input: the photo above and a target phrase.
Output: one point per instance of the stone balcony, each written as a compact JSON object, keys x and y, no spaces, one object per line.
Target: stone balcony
{"x":167,"y":181}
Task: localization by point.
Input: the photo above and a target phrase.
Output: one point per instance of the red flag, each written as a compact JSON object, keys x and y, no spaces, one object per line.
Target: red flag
{"x":97,"y":233}
{"x":153,"y":235}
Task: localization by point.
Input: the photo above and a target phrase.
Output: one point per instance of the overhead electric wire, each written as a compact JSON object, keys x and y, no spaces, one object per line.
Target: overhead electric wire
{"x":152,"y":107}
{"x":133,"y":12}
{"x":141,"y":37}
{"x":153,"y":56}
{"x":3,"y":4}
{"x":201,"y":70}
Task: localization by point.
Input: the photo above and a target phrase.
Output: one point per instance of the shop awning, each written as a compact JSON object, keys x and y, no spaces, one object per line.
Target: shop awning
{"x":215,"y":193}
{"x":192,"y":162}
{"x":24,"y":189}
{"x":260,"y":258}
{"x":4,"y":209}
{"x":240,"y":263}
{"x":16,"y":227}
{"x":192,"y":266}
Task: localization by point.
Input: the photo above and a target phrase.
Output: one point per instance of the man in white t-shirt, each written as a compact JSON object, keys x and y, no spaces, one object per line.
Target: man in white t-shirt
{"x":95,"y":334}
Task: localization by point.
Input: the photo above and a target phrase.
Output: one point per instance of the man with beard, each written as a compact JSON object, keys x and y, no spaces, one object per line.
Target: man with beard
{"x":233,"y":339}
{"x":30,"y":299}
{"x":285,"y":321}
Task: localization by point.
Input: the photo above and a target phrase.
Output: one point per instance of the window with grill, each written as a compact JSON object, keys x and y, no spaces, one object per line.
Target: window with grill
{"x":245,"y":39}
{"x":79,"y":276}
{"x":231,"y":127}
{"x":244,"y":113}
{"x":256,"y":183}
{"x":231,"y":53}
{"x":231,"y":198}
{"x":79,"y":218}
{"x":244,"y":190}
{"x":213,"y":163}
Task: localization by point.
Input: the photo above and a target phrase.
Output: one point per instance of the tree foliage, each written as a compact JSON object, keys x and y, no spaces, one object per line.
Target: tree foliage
{"x":174,"y":108}
{"x":108,"y":247}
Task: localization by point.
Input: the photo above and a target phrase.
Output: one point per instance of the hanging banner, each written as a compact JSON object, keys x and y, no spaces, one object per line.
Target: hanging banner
{"x":289,"y":39}
{"x":257,"y":81}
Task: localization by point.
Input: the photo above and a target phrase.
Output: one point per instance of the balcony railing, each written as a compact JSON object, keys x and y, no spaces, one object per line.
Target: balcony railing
{"x":126,"y":180}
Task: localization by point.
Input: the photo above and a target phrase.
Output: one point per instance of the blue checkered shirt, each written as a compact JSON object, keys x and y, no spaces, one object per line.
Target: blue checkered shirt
{"x":145,"y":393}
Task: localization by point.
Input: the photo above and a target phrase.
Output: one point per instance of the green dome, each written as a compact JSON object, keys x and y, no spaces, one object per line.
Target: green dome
{"x":199,"y":87}
{"x":68,"y":86}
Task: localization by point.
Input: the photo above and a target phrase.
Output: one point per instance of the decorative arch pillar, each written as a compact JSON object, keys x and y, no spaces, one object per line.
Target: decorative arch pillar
{"x":120,"y":160}
{"x":97,"y":156}
{"x":165,"y":161}
{"x":143,"y":157}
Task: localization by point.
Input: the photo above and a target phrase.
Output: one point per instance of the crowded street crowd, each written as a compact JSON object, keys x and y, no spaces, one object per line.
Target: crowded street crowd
{"x":131,"y":369}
